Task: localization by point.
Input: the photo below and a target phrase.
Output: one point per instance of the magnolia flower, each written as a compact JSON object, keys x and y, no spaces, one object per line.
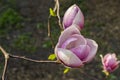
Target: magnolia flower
{"x":73,"y":16}
{"x":110,"y":62}
{"x":73,"y":50}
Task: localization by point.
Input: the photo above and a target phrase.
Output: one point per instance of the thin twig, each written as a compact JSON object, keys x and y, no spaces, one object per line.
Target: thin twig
{"x":58,"y":14}
{"x":6,"y":56}
{"x":32,"y":60}
{"x":49,"y":29}
{"x":4,"y":70}
{"x":56,"y":8}
{"x":49,"y":32}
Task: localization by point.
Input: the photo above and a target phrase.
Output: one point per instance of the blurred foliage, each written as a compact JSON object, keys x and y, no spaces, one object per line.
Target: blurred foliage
{"x":10,"y":3}
{"x":55,"y":32}
{"x":55,"y":29}
{"x":81,"y":4}
{"x":9,"y":20}
{"x":47,"y":44}
{"x":41,"y":26}
{"x":25,"y":42}
{"x":112,"y":77}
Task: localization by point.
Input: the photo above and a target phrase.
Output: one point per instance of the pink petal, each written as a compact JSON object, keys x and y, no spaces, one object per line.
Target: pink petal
{"x":69,"y":16}
{"x":93,"y":49}
{"x":81,"y":51}
{"x":110,"y":61}
{"x":79,"y":19}
{"x":106,"y":56}
{"x":115,"y":66}
{"x":68,"y":58}
{"x":108,"y":69}
{"x":114,"y":56}
{"x":74,"y":41}
{"x":67,"y":42}
{"x":80,"y":40}
{"x":67,"y":34}
{"x":111,"y":68}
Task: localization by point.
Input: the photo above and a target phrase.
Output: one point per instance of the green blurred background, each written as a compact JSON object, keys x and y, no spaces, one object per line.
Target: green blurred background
{"x":23,"y":31}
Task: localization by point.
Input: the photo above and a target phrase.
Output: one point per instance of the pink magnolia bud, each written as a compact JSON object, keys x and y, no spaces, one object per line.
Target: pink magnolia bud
{"x":73,"y":50}
{"x":73,"y":16}
{"x":110,"y":62}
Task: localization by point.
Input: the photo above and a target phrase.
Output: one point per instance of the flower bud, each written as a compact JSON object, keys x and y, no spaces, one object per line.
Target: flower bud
{"x":73,"y":16}
{"x":73,"y":50}
{"x":110,"y":62}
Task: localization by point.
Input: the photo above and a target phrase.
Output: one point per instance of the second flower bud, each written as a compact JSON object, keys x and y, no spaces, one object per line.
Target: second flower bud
{"x":73,"y":16}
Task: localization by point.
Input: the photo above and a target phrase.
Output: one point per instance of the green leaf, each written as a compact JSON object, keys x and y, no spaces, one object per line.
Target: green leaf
{"x":106,"y":72}
{"x":66,"y":70}
{"x":52,"y":13}
{"x":52,"y":57}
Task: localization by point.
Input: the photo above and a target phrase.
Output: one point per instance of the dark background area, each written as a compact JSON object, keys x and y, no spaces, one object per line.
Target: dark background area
{"x":23,"y":31}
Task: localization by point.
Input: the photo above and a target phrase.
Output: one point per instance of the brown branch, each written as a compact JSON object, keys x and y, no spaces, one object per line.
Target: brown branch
{"x":8,"y":55}
{"x":56,"y":8}
{"x":32,"y":60}
{"x":49,"y":32}
{"x":4,"y":70}
{"x":58,"y":14}
{"x":49,"y":29}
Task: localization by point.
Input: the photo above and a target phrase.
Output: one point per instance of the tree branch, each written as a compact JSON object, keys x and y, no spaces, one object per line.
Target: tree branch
{"x":56,"y":9}
{"x":8,"y":55}
{"x":58,"y":14}
{"x":49,"y":32}
{"x":32,"y":60}
{"x":4,"y":70}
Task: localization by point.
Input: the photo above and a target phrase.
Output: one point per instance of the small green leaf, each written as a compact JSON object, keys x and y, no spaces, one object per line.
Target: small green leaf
{"x":66,"y":70}
{"x":101,"y":55}
{"x":52,"y":57}
{"x":52,"y":13}
{"x":106,"y":72}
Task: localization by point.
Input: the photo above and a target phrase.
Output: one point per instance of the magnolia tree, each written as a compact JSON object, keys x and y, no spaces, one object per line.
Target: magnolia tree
{"x":72,"y":50}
